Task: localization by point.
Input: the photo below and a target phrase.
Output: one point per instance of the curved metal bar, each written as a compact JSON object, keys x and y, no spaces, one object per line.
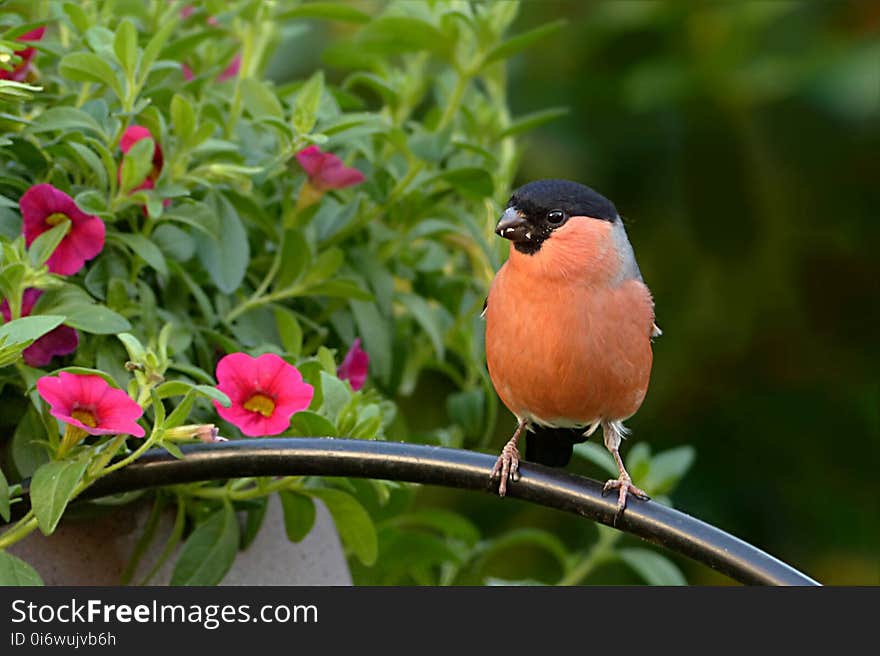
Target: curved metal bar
{"x":432,"y":465}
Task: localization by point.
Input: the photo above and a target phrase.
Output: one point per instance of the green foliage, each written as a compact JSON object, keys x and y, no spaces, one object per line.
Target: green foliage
{"x":209,"y":551}
{"x":217,"y":242}
{"x":15,"y":572}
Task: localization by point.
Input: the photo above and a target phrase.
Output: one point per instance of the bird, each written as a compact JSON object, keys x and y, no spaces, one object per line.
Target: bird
{"x":569,"y":328}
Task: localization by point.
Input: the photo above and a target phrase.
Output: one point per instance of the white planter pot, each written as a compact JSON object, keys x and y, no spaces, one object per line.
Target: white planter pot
{"x":95,"y":551}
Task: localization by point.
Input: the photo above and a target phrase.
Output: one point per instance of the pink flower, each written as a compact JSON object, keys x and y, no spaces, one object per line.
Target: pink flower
{"x":60,"y":341}
{"x":231,"y":70}
{"x":19,"y":73}
{"x":187,"y":73}
{"x":43,"y":207}
{"x":130,"y":137}
{"x":90,"y":404}
{"x":265,"y":392}
{"x":354,"y":366}
{"x":326,"y":170}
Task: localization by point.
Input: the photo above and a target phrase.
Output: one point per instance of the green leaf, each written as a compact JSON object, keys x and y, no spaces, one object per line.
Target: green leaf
{"x":472,"y":182}
{"x":355,"y":527}
{"x":208,"y":554}
{"x":89,"y":67}
{"x":125,"y":46}
{"x":667,"y":468}
{"x":226,"y":257}
{"x":289,"y":331}
{"x":295,"y":258}
{"x":96,"y":166}
{"x":428,"y":318}
{"x":97,"y":320}
{"x":311,"y":424}
{"x":325,"y":10}
{"x":77,"y":16}
{"x":4,"y":497}
{"x":305,"y":108}
{"x":339,"y":288}
{"x":143,"y":247}
{"x":65,"y":119}
{"x":259,"y":100}
{"x":158,"y":407}
{"x":52,"y":487}
{"x":26,"y":451}
{"x":324,"y":266}
{"x":533,"y":120}
{"x":179,"y":415}
{"x":27,"y":329}
{"x":15,"y":572}
{"x":253,"y":521}
{"x":367,"y":429}
{"x":174,"y":242}
{"x":137,"y":164}
{"x":466,"y":409}
{"x":88,"y":371}
{"x":449,"y":524}
{"x":522,"y":41}
{"x":153,"y":48}
{"x":390,"y":35}
{"x":173,"y":449}
{"x":198,"y":215}
{"x":299,"y":514}
{"x":530,"y":537}
{"x":214,"y":394}
{"x":336,"y":395}
{"x":183,"y":117}
{"x":652,"y":567}
{"x":173,"y":388}
{"x":376,"y":334}
{"x":81,"y":311}
{"x":136,"y":350}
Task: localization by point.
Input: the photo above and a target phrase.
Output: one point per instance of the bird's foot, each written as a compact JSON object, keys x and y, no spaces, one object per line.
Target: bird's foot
{"x":624,"y":484}
{"x":507,"y":466}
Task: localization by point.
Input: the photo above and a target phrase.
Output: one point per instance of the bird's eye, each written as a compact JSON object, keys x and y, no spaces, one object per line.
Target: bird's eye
{"x":555,"y":217}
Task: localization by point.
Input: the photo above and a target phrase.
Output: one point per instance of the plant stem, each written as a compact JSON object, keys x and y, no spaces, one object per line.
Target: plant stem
{"x":600,"y":553}
{"x":149,"y":442}
{"x":21,"y":529}
{"x":228,"y":494}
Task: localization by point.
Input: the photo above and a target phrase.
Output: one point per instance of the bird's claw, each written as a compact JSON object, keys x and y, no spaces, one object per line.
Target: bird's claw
{"x":507,"y":466}
{"x":624,"y":484}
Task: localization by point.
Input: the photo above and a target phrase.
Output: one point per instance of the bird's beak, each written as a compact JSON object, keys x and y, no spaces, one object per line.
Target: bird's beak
{"x":513,"y":226}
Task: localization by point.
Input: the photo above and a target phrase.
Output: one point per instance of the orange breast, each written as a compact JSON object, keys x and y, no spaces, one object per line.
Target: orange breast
{"x":568,"y":350}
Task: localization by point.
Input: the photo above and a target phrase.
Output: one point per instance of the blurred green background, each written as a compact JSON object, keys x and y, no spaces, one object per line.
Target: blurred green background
{"x":740,"y":142}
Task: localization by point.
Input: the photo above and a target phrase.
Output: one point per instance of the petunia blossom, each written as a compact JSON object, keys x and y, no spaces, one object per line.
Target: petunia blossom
{"x":326,"y":171}
{"x":265,"y":392}
{"x":231,"y":70}
{"x":62,"y":340}
{"x":354,"y":366}
{"x":89,"y":403}
{"x":130,"y":137}
{"x":20,"y":71}
{"x":43,"y":207}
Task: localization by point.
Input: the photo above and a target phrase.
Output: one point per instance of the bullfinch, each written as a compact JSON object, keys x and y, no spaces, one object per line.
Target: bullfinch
{"x":569,"y":326}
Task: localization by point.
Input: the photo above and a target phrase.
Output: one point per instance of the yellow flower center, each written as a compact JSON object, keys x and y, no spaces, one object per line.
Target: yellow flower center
{"x":260,"y":403}
{"x":85,"y":417}
{"x":58,"y":217}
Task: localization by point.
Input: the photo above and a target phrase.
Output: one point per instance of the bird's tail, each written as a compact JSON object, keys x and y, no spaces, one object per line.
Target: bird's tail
{"x":552,"y":446}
